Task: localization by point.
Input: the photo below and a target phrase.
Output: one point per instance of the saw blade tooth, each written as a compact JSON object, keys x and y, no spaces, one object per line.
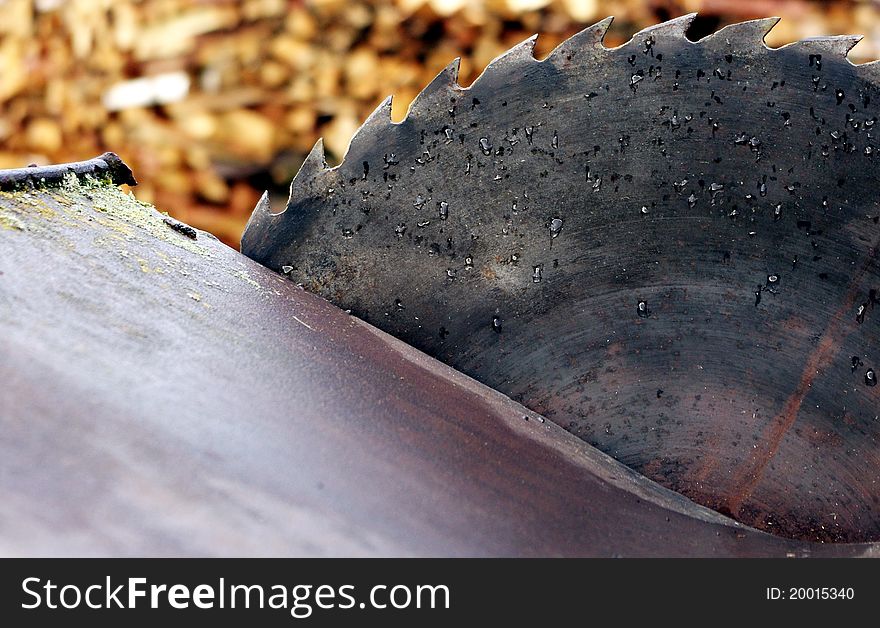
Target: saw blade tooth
{"x":314,"y":164}
{"x":263,"y":206}
{"x":523,"y":51}
{"x":259,"y":232}
{"x":751,"y":32}
{"x":381,"y":115}
{"x":436,"y":92}
{"x":259,"y":225}
{"x":676,"y":27}
{"x":836,"y":44}
{"x":590,"y":38}
{"x":451,"y":72}
{"x":516,"y":57}
{"x":366,"y":134}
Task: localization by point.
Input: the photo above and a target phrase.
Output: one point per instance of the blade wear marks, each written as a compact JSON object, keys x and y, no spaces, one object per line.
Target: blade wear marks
{"x":646,"y":244}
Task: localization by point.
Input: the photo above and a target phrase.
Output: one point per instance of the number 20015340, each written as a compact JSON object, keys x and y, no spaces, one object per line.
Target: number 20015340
{"x":811,"y":593}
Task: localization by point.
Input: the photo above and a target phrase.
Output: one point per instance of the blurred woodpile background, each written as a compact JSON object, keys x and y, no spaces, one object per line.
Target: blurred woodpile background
{"x":212,"y":101}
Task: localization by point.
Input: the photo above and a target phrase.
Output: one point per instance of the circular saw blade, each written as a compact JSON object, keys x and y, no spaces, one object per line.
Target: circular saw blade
{"x":668,"y":248}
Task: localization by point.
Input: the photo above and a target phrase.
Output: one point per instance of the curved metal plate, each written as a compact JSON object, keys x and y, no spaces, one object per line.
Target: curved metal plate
{"x":668,"y":248}
{"x":163,"y":395}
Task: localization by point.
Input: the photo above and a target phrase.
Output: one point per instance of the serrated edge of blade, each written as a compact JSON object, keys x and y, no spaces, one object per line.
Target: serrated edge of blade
{"x":832,"y":44}
{"x":749,"y":32}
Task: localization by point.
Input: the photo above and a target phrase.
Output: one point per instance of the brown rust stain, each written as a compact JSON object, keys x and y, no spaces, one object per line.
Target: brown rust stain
{"x":710,"y":459}
{"x":747,"y":477}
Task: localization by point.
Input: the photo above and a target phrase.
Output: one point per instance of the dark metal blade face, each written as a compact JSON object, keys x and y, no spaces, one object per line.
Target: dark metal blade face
{"x":668,"y":248}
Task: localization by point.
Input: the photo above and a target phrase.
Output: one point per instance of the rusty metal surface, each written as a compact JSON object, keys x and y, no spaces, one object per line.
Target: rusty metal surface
{"x":164,"y":395}
{"x":668,"y":248}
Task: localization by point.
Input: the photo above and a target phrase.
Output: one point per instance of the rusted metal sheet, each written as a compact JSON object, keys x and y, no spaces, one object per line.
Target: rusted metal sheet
{"x":164,"y":395}
{"x":668,"y":248}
